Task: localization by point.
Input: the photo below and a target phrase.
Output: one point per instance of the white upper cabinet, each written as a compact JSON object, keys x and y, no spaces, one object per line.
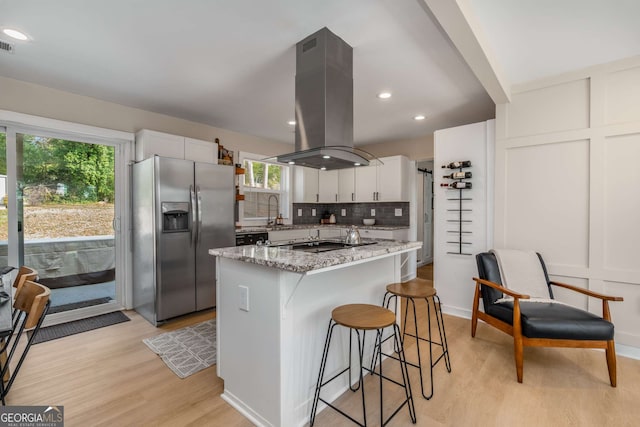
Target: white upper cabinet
{"x":200,"y":151}
{"x":150,"y":143}
{"x":393,"y":180}
{"x":386,"y":182}
{"x":328,"y":186}
{"x":305,"y":185}
{"x":366,"y":183}
{"x":347,"y":185}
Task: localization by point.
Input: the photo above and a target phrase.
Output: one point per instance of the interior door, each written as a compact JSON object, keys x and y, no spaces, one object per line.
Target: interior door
{"x":427,"y":248}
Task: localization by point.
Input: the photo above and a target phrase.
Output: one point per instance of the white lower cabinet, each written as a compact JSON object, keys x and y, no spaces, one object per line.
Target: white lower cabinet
{"x":281,"y":236}
{"x":333,"y":233}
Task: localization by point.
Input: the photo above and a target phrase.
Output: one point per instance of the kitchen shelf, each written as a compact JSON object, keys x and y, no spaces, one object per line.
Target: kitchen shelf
{"x":239,"y":197}
{"x":240,"y":171}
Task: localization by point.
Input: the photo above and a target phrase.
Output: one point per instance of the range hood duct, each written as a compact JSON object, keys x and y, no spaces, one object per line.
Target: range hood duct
{"x":324,"y":105}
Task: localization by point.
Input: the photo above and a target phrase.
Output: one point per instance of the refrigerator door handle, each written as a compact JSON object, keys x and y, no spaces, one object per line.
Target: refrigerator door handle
{"x":192,"y":195}
{"x":199,"y":199}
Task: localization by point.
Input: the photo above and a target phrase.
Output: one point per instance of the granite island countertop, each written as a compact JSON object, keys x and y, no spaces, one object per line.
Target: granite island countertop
{"x":303,"y":262}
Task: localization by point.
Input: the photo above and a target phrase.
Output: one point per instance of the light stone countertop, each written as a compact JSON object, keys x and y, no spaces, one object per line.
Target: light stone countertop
{"x":302,"y":262}
{"x":258,"y":229}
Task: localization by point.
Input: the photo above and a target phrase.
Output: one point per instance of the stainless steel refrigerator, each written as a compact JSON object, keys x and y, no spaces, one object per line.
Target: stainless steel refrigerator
{"x":181,"y":209}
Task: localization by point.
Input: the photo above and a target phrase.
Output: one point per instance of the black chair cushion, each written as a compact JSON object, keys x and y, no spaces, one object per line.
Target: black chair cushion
{"x":557,"y":321}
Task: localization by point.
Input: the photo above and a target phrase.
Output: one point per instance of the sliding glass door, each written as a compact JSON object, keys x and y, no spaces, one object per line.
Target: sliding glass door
{"x":65,"y":219}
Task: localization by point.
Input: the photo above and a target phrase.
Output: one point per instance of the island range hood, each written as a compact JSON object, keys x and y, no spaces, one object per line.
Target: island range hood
{"x":324,"y":105}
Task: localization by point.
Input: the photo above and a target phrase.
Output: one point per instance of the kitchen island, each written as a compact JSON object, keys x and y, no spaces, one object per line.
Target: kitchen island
{"x":274,"y":306}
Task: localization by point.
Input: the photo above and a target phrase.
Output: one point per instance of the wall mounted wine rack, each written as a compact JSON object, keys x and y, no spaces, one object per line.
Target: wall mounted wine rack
{"x":459,"y":182}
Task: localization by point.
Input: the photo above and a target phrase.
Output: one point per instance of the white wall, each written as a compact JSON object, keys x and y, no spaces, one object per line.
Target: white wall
{"x":42,"y":101}
{"x":452,"y":273}
{"x":567,"y":183}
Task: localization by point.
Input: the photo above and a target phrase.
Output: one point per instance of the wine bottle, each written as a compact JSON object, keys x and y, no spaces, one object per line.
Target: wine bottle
{"x":456,"y":185}
{"x":457,"y":165}
{"x":458,"y":175}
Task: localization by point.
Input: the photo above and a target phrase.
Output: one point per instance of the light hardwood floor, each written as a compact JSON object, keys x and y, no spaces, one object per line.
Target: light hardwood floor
{"x":108,"y":377}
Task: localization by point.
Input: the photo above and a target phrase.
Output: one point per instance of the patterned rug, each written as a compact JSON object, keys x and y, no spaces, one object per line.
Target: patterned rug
{"x":187,"y":350}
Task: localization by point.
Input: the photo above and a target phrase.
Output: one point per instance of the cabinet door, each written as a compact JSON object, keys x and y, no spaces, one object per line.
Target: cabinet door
{"x":376,"y":234}
{"x":328,"y":186}
{"x":366,"y":184}
{"x":305,"y":185}
{"x":332,"y":233}
{"x":150,"y":143}
{"x":200,"y":151}
{"x":347,"y":185}
{"x":282,"y":236}
{"x":391,"y":179}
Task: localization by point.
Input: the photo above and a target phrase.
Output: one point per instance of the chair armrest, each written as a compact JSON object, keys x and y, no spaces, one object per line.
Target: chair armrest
{"x":501,"y":289}
{"x":587,"y":292}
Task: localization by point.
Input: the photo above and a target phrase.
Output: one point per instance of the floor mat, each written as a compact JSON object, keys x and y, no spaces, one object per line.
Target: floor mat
{"x":80,"y":304}
{"x":70,"y":328}
{"x":187,"y":350}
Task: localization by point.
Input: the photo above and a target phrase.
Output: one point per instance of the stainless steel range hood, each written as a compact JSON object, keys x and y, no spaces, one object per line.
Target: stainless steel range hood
{"x":324,"y":105}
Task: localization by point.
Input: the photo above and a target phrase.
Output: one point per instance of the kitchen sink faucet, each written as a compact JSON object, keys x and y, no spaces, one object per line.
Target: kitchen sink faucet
{"x":269,"y":222}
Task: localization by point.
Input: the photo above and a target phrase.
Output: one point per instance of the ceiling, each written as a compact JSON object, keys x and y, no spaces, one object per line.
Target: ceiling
{"x":231,"y":64}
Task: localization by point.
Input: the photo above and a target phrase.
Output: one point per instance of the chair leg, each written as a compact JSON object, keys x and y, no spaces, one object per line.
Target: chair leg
{"x":474,"y":313}
{"x":323,"y":363}
{"x":611,"y":362}
{"x":519,"y":355}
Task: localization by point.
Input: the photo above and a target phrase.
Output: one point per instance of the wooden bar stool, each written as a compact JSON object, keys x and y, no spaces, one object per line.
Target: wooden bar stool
{"x":364,"y":317}
{"x":421,"y":289}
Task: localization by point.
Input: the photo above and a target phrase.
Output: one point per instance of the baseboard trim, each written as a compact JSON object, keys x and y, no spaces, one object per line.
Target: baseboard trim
{"x":247,"y":412}
{"x":628,"y":351}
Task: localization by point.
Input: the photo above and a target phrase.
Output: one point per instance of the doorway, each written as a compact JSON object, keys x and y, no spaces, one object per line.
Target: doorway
{"x":424,"y":188}
{"x":63,"y":216}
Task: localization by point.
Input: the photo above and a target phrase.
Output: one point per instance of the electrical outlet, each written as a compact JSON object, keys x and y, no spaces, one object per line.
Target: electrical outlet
{"x":299,"y":212}
{"x":373,"y":212}
{"x":313,"y":212}
{"x":244,"y":298}
{"x":343,"y":212}
{"x":398,"y":211}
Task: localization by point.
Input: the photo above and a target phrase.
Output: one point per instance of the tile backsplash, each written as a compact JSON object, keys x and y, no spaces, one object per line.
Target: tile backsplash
{"x":385,"y":213}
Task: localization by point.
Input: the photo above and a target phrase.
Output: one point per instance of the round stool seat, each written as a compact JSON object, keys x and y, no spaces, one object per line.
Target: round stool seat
{"x":415,"y":288}
{"x":363,"y":316}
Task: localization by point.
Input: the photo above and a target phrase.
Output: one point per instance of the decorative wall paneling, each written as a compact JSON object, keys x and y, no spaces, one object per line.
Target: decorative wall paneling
{"x":567,"y":183}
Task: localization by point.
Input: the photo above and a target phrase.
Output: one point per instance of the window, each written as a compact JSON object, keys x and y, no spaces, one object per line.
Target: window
{"x":266,"y":189}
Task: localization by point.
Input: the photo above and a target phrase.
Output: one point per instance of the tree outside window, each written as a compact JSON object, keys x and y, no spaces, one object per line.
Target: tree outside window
{"x":261,"y":182}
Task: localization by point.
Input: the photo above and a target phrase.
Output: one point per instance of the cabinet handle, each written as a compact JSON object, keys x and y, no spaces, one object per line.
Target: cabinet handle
{"x":317,"y":198}
{"x":336,"y":197}
{"x":353,"y":196}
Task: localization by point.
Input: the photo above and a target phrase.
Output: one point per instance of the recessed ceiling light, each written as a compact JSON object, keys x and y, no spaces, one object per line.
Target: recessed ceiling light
{"x":384,"y":95}
{"x":356,"y":164}
{"x":326,"y":157}
{"x":291,"y":122}
{"x":291,"y":162}
{"x":323,"y":168}
{"x":419,"y":117}
{"x":15,"y":34}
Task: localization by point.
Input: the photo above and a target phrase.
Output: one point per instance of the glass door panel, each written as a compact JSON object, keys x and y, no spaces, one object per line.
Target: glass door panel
{"x":4,"y":220}
{"x":66,"y":194}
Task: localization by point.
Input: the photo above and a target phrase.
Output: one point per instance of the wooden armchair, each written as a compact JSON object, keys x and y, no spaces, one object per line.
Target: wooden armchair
{"x":540,"y":324}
